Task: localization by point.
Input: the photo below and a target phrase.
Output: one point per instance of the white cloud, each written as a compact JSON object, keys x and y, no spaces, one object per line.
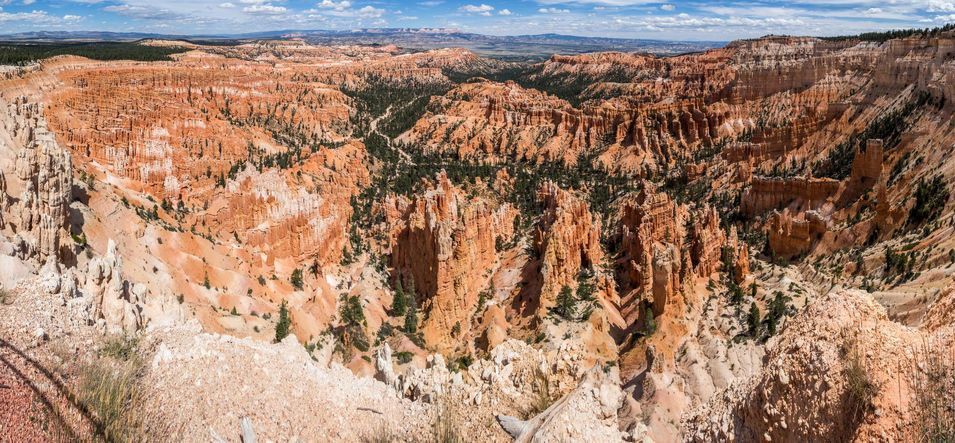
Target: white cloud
{"x":504,"y":11}
{"x":370,"y":12}
{"x":28,"y":2}
{"x":873,"y":11}
{"x":667,"y":7}
{"x":37,"y":17}
{"x":339,"y":6}
{"x":940,"y":6}
{"x":143,"y":12}
{"x":481,"y":9}
{"x":266,"y":9}
{"x":553,"y":11}
{"x":226,"y":5}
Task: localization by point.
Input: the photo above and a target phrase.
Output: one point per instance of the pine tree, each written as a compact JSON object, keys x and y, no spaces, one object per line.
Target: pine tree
{"x":753,"y":319}
{"x":284,"y":324}
{"x":566,"y":307}
{"x":411,"y":315}
{"x":411,"y":320}
{"x":351,"y":311}
{"x":296,"y":280}
{"x":400,"y":303}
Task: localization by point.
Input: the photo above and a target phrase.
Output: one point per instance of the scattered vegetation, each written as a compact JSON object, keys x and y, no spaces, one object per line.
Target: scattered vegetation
{"x":753,"y":320}
{"x":353,"y":322}
{"x":930,"y":198}
{"x":114,"y":397}
{"x":542,"y":398}
{"x":576,"y":306}
{"x":650,"y":322}
{"x":404,"y":357}
{"x":381,"y":434}
{"x":120,"y":347}
{"x":399,"y":304}
{"x":109,"y":387}
{"x":888,"y":127}
{"x":776,"y":311}
{"x":899,"y":265}
{"x":446,"y":427}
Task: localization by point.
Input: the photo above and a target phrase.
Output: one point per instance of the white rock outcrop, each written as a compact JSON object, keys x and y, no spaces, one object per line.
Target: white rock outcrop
{"x":115,"y":302}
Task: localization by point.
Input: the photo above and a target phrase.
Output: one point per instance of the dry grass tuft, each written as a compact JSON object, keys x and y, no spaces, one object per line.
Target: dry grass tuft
{"x":447,"y":426}
{"x":932,"y":380}
{"x":542,"y":398}
{"x":861,"y":387}
{"x":111,"y":388}
{"x":381,"y":434}
{"x":113,"y":395}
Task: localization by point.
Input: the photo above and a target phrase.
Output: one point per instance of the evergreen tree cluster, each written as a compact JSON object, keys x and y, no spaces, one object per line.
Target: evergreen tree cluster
{"x":21,"y":53}
{"x":881,"y":37}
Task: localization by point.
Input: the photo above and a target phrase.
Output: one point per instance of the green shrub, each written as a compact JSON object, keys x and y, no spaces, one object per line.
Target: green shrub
{"x":113,"y":395}
{"x":403,"y":357}
{"x":931,"y":378}
{"x":351,"y":311}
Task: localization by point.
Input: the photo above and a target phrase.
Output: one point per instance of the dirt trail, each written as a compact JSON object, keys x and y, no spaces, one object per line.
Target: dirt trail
{"x":35,"y":405}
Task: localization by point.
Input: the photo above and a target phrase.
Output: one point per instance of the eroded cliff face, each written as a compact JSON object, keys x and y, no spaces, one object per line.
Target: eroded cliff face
{"x":489,"y":121}
{"x":666,"y":245}
{"x":567,"y":242}
{"x":39,"y":213}
{"x":445,"y":248}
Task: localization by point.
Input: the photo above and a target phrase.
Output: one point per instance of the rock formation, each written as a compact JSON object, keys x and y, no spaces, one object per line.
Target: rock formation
{"x":445,"y":246}
{"x":791,"y":236}
{"x":40,"y":214}
{"x":805,"y":392}
{"x":771,"y":193}
{"x":664,"y":244}
{"x":116,"y":302}
{"x":567,"y":240}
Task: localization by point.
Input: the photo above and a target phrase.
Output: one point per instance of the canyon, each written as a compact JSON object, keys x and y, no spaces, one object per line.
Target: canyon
{"x":282,"y":240}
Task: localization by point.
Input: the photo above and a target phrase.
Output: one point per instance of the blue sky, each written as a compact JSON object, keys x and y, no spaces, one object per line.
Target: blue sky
{"x":689,"y":20}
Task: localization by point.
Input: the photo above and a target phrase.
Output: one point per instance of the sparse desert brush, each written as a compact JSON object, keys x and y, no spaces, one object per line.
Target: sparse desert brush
{"x":112,"y":394}
{"x":542,"y":398}
{"x":381,"y":434}
{"x":931,"y":378}
{"x":121,"y":347}
{"x":860,"y":385}
{"x":446,"y":427}
{"x":110,"y":387}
